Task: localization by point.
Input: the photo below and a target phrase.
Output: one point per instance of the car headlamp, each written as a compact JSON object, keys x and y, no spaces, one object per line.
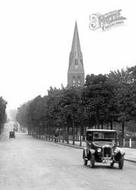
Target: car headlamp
{"x":98,"y":149}
{"x":89,"y":143}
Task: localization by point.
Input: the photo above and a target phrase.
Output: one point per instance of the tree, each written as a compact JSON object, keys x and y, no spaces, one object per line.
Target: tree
{"x":98,"y":96}
{"x":125,"y":95}
{"x":3,"y":116}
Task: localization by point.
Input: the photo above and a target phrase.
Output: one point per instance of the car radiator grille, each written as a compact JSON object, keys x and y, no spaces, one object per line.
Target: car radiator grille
{"x":107,"y":152}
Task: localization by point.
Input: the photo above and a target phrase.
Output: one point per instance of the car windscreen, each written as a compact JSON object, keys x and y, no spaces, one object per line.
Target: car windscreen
{"x":103,"y":136}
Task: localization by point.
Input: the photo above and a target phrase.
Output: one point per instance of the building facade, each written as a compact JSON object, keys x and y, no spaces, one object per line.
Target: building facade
{"x":75,"y":75}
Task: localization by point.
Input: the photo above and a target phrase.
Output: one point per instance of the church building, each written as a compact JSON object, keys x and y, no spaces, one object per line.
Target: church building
{"x":75,"y":75}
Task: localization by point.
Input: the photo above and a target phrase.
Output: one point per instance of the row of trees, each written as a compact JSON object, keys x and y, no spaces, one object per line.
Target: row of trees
{"x":103,"y":101}
{"x":2,"y":113}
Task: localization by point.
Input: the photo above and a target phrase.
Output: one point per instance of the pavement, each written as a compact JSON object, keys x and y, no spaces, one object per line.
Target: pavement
{"x":130,"y":154}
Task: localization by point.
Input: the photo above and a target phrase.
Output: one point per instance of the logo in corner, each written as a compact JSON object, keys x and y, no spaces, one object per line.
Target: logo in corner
{"x":106,"y":21}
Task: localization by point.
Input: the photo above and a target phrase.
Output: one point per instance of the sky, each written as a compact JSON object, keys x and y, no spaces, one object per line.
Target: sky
{"x":36,"y":38}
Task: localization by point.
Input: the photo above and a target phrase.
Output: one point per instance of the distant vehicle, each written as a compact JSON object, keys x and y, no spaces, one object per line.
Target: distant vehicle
{"x":101,"y":146}
{"x":12,"y":134}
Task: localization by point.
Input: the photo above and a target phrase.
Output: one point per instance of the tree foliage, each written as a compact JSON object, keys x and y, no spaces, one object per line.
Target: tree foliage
{"x":3,"y":116}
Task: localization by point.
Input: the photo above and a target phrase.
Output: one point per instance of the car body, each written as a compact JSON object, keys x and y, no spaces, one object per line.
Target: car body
{"x":101,"y":147}
{"x":12,"y":134}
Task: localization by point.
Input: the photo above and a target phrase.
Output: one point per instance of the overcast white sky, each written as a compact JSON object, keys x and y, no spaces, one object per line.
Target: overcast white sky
{"x":36,"y":38}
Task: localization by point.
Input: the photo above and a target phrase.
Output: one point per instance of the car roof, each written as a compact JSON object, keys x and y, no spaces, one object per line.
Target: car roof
{"x":100,"y":130}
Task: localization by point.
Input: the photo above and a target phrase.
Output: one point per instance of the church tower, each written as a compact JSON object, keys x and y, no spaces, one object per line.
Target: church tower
{"x":76,"y":67}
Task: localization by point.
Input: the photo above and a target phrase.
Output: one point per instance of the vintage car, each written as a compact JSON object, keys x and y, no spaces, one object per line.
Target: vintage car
{"x":12,"y":134}
{"x":101,"y":147}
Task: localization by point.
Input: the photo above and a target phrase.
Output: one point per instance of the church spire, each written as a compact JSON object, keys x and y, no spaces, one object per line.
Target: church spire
{"x":76,"y":42}
{"x":76,"y":67}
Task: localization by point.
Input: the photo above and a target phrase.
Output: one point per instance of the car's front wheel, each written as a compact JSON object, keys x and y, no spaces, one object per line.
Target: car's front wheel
{"x":92,"y":161}
{"x":112,"y":164}
{"x":121,"y":163}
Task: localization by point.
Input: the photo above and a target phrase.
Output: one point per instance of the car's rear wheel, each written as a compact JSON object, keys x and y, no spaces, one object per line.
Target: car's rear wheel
{"x":85,"y":162}
{"x":92,"y":161}
{"x":121,"y":163}
{"x":84,"y":158}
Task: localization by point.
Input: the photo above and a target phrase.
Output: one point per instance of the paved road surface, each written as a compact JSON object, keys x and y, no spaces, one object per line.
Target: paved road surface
{"x":31,"y":164}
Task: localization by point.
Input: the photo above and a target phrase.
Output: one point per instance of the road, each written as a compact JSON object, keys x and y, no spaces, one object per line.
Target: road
{"x":31,"y":164}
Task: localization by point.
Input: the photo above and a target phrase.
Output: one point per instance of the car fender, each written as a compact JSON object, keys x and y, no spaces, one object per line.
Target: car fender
{"x":92,"y":151}
{"x":119,"y":150}
{"x":88,"y":152}
{"x":118,"y":154}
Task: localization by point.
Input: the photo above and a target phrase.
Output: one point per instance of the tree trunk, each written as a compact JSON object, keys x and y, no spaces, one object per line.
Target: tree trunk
{"x":67,"y":134}
{"x":123,"y":133}
{"x":73,"y":131}
{"x":111,"y":125}
{"x":80,"y":137}
{"x":89,"y":121}
{"x":102,"y":125}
